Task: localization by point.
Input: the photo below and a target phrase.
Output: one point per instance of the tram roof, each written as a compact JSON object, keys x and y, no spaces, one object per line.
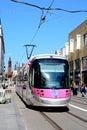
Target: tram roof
{"x":47,"y":56}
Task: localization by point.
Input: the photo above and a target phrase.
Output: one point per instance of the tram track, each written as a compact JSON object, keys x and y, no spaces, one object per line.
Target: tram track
{"x":79,"y":102}
{"x":53,"y":123}
{"x":78,"y":117}
{"x":56,"y":126}
{"x":79,"y":98}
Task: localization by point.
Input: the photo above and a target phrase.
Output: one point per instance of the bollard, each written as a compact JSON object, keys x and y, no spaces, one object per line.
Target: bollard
{"x":2,"y":95}
{"x":8,"y":93}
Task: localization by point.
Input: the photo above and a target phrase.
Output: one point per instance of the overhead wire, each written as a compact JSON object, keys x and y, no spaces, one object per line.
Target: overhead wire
{"x":49,"y":8}
{"x":34,"y":35}
{"x":42,"y":20}
{"x":45,"y":11}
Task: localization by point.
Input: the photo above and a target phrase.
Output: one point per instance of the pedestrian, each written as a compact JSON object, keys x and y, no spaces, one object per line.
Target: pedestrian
{"x":83,"y":91}
{"x":75,"y":87}
{"x":85,"y":88}
{"x":3,"y":85}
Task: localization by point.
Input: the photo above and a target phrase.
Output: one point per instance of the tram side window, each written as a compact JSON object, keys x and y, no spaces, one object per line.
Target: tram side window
{"x":25,"y":78}
{"x":36,"y":74}
{"x":31,"y":77}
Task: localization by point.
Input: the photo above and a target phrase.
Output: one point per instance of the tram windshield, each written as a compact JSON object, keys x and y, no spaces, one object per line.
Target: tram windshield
{"x":51,"y":73}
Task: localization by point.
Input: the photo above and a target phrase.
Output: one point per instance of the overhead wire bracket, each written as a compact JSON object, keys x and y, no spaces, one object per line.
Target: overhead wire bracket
{"x":27,"y":46}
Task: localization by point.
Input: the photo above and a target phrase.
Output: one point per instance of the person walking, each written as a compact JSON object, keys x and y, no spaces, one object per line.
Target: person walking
{"x":83,"y":91}
{"x":75,"y":88}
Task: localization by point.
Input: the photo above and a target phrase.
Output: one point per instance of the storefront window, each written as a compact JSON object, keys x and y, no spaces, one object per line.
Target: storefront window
{"x":71,"y":66}
{"x":77,"y":63}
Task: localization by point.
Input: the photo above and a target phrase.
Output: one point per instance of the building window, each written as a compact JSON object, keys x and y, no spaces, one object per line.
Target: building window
{"x":85,"y":39}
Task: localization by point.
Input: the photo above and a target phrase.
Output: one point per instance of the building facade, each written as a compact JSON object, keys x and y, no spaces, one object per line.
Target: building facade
{"x":2,"y":51}
{"x":10,"y":67}
{"x":77,"y":55}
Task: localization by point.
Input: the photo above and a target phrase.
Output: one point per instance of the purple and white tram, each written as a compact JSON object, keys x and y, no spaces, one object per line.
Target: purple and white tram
{"x":44,"y":81}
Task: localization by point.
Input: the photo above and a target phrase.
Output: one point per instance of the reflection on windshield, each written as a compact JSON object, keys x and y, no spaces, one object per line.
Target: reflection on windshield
{"x":53,"y":80}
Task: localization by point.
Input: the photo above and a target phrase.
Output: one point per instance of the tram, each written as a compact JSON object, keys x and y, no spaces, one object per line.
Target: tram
{"x":44,"y":81}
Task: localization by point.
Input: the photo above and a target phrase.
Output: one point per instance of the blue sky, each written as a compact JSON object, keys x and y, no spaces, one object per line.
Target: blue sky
{"x":20,"y":26}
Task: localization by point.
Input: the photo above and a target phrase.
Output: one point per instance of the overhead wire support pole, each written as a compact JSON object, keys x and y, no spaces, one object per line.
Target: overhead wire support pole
{"x":29,"y":45}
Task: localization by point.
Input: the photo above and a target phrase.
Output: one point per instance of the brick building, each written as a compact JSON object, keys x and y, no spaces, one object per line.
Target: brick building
{"x":78,"y":53}
{"x":10,"y":67}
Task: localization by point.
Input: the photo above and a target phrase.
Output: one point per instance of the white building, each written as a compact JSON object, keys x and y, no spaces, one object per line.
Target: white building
{"x":63,"y":51}
{"x":2,"y":51}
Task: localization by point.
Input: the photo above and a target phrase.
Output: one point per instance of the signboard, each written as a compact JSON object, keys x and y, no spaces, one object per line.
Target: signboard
{"x":71,"y":45}
{"x":78,"y":36}
{"x":67,"y":48}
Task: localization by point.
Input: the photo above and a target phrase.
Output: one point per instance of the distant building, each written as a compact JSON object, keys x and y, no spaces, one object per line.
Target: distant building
{"x":58,"y":52}
{"x":2,"y":51}
{"x":10,"y":67}
{"x":63,"y":51}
